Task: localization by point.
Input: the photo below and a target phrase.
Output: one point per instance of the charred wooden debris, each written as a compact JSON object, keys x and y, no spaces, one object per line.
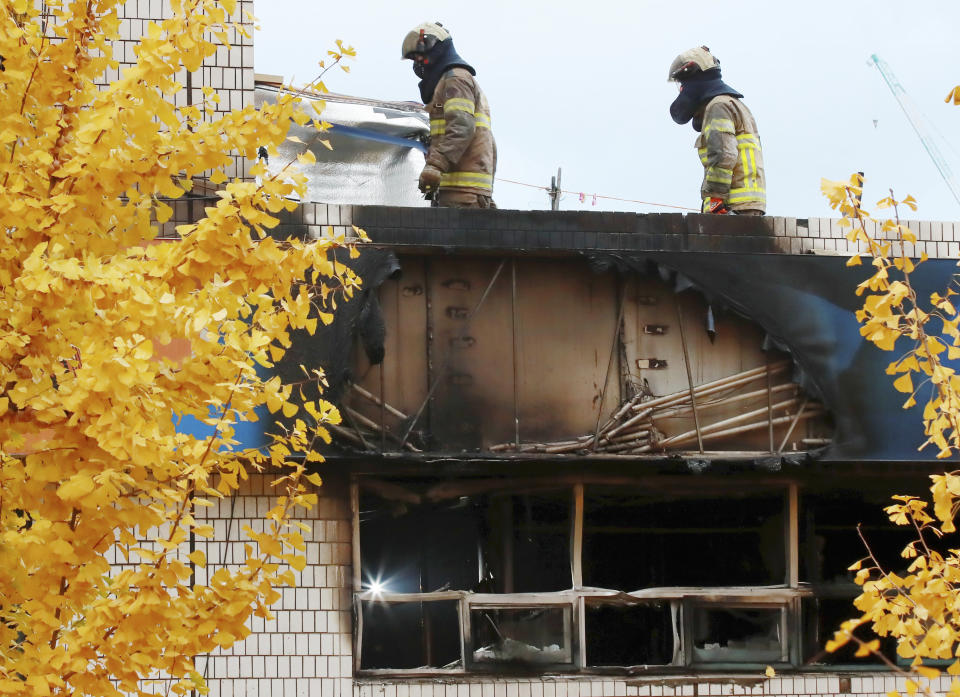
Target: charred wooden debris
{"x":636,"y":427}
{"x":640,"y":425}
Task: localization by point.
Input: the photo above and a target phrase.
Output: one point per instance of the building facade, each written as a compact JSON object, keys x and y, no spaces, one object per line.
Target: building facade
{"x":601,"y":454}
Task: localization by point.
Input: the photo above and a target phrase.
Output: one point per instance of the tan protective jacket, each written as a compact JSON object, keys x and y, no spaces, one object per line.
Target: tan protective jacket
{"x":461,"y":142}
{"x":729,"y":148}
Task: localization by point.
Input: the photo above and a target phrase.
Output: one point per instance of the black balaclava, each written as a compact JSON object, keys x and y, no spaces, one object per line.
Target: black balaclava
{"x":695,"y":92}
{"x":438,"y":60}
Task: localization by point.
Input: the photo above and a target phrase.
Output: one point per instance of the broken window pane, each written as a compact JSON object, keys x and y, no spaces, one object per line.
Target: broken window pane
{"x":737,"y":634}
{"x":410,"y":635}
{"x":491,"y":543}
{"x":629,"y":635}
{"x":645,"y":538}
{"x":823,"y":617}
{"x":522,"y":635}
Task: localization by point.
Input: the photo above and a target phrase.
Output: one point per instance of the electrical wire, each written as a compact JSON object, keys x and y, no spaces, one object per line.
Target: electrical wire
{"x":609,"y":198}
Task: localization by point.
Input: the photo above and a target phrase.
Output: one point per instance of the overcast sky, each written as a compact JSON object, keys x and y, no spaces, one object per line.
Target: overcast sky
{"x":582,"y":86}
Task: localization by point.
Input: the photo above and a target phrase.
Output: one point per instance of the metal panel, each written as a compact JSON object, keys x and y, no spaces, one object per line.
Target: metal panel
{"x":567,"y":318}
{"x":374,"y":155}
{"x":405,"y":366}
{"x":473,"y":402}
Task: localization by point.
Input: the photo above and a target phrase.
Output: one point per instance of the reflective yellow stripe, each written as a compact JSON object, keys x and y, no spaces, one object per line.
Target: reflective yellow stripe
{"x":718,"y":125}
{"x":719,"y":175}
{"x":743,"y":194}
{"x":476,"y":180}
{"x":439,"y":126}
{"x":748,"y":144}
{"x":702,"y":152}
{"x":459,"y":104}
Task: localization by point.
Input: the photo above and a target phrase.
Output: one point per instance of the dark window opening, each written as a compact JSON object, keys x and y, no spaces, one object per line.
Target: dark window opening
{"x":520,"y":636}
{"x":695,"y":541}
{"x":490,"y":543}
{"x":823,"y":617}
{"x":646,"y":539}
{"x":737,"y":634}
{"x":411,"y":635}
{"x":829,"y":542}
{"x":629,"y":635}
{"x":407,"y":548}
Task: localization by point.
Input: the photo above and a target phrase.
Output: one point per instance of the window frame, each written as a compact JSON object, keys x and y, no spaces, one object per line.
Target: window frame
{"x":786,"y":596}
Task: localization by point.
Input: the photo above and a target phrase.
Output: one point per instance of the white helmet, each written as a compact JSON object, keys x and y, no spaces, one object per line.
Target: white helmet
{"x":422,"y":38}
{"x":691,"y":61}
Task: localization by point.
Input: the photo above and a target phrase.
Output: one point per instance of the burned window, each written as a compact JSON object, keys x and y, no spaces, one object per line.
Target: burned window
{"x":539,"y":527}
{"x":833,"y":527}
{"x":822,"y":616}
{"x":521,"y":636}
{"x":830,"y":543}
{"x":489,"y":543}
{"x":408,"y":548}
{"x":476,"y":575}
{"x":641,"y":634}
{"x":647,"y":538}
{"x":737,"y":633}
{"x":410,"y":635}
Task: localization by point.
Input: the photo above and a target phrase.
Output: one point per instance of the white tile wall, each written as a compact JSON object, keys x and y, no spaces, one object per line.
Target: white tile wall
{"x":306,"y":648}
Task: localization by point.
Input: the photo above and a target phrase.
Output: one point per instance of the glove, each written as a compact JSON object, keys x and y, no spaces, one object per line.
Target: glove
{"x":716,"y":206}
{"x":429,"y":179}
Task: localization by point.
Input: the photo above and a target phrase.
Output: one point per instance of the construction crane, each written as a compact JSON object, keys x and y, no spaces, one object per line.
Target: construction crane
{"x":918,"y":123}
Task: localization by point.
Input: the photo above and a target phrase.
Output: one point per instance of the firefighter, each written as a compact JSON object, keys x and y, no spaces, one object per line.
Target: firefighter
{"x":462,"y":157}
{"x":728,"y":144}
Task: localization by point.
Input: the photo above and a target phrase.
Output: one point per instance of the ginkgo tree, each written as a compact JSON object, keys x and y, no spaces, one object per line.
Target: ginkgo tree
{"x":91,"y":459}
{"x":918,"y":606}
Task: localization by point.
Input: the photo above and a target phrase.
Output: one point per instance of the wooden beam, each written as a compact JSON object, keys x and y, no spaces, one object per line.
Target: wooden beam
{"x":793,"y":533}
{"x":515,"y":337}
{"x":391,"y":491}
{"x":576,"y":546}
{"x":355,"y":535}
{"x":580,"y":622}
{"x":452,"y":490}
{"x":613,"y":352}
{"x":686,"y":362}
{"x":357,"y":634}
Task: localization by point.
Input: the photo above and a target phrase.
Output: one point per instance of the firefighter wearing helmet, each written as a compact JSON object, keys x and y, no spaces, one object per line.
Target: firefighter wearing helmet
{"x":728,"y":144}
{"x":462,"y":157}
